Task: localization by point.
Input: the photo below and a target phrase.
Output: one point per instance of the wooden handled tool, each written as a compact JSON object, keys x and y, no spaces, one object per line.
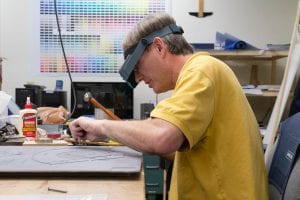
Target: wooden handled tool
{"x":201,"y":12}
{"x":200,"y":8}
{"x":88,"y":98}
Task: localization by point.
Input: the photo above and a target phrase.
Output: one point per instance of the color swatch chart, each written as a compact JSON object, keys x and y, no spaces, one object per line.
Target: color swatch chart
{"x":92,"y":32}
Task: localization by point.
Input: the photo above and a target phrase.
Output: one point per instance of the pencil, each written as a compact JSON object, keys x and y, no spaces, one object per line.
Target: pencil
{"x":57,"y":190}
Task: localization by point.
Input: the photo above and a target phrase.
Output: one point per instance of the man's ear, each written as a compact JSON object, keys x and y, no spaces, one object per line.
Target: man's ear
{"x":159,"y":45}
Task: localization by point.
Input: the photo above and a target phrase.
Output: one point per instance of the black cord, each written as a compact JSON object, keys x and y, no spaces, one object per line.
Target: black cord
{"x":66,"y":61}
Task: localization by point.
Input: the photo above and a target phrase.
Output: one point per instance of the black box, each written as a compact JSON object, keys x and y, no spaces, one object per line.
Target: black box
{"x":23,"y":93}
{"x":53,"y":98}
{"x":146,"y":109}
{"x":120,"y":92}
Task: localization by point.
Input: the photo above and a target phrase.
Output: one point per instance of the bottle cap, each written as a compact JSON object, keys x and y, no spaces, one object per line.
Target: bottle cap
{"x":28,"y":103}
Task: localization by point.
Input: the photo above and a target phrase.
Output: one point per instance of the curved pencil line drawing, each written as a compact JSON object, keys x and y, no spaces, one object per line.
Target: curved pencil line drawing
{"x":69,"y":159}
{"x":59,"y":156}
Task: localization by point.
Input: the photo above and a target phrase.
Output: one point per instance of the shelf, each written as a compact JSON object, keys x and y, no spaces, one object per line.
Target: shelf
{"x":248,"y":54}
{"x":265,"y":94}
{"x":261,"y":98}
{"x":252,"y":55}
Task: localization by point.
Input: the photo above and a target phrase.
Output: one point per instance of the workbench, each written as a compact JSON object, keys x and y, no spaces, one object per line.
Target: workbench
{"x":114,"y":188}
{"x":55,"y":186}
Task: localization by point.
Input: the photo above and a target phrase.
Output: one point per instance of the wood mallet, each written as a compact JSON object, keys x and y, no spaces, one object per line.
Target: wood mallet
{"x":90,"y":99}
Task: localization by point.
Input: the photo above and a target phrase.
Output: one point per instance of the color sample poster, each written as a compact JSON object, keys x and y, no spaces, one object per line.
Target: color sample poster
{"x":92,"y":32}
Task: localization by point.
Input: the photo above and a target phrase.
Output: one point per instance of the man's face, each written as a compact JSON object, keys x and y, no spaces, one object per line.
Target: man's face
{"x":152,"y":69}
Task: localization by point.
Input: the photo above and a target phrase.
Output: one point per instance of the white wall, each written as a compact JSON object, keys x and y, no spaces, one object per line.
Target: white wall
{"x":258,"y":22}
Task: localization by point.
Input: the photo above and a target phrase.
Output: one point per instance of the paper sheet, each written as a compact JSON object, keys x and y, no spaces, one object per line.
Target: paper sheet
{"x":254,"y":91}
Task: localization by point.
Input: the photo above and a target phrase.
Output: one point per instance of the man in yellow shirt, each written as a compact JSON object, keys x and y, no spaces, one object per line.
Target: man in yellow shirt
{"x":207,"y":122}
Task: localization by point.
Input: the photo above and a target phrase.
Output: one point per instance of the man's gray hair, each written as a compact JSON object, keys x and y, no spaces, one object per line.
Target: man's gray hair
{"x":176,"y":42}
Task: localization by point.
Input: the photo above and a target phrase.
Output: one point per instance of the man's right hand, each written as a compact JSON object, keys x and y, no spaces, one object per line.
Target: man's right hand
{"x":84,"y":128}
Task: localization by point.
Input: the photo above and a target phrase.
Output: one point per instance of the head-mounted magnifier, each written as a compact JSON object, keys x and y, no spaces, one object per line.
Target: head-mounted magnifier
{"x":133,"y":54}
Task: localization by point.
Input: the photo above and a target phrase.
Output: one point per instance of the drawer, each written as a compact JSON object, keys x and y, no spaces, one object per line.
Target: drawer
{"x":151,"y":160}
{"x":153,"y":175}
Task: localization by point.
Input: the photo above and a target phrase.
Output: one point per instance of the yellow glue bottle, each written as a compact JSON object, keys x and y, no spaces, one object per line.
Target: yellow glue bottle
{"x":28,"y":121}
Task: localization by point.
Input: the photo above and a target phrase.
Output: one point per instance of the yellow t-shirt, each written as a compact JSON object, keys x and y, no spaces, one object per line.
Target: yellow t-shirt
{"x":223,"y":155}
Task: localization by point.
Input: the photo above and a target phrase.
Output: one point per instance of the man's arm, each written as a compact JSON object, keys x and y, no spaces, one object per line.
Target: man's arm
{"x":152,"y":135}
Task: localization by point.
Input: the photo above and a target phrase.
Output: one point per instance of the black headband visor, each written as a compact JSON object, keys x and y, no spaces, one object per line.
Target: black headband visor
{"x":133,"y":55}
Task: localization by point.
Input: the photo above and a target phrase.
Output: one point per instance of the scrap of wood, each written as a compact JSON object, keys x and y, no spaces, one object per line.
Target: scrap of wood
{"x":87,"y":142}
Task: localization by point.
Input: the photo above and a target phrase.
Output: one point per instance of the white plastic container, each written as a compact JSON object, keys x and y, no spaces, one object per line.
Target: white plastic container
{"x":28,"y":121}
{"x":15,"y":120}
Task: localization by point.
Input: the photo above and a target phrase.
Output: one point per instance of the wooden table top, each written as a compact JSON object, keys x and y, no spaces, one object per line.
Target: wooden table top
{"x":113,"y":188}
{"x":117,"y":187}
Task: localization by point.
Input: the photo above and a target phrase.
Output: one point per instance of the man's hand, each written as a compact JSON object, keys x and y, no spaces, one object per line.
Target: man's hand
{"x":85,"y":128}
